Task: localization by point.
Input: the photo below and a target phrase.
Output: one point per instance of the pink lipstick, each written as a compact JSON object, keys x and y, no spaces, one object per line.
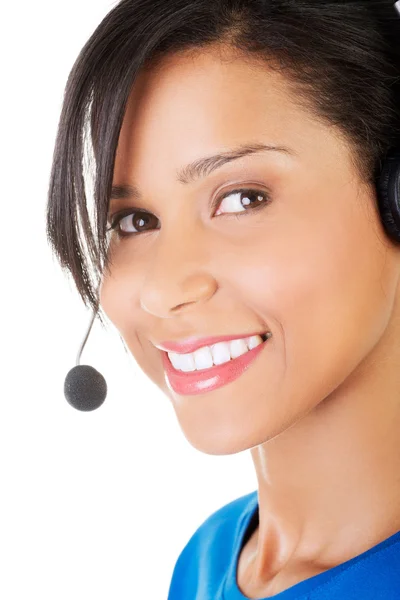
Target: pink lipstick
{"x":206,"y":380}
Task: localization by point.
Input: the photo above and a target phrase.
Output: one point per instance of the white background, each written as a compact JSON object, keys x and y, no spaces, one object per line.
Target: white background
{"x":95,"y":505}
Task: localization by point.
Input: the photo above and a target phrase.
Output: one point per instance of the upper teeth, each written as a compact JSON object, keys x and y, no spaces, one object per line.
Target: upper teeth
{"x":217,"y":354}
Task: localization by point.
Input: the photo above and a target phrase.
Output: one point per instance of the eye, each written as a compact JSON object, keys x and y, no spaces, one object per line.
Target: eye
{"x":131,"y":218}
{"x":240,"y":200}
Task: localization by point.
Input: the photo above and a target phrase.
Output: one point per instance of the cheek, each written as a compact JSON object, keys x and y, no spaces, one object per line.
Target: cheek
{"x":116,"y":300}
{"x":326,"y":284}
{"x":120,"y":285}
{"x":120,"y":300}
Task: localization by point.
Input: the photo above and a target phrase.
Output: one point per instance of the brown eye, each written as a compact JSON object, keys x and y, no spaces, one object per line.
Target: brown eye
{"x":242,"y":200}
{"x":133,"y":222}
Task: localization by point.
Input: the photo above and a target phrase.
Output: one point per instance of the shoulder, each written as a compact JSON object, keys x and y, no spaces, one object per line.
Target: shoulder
{"x":203,"y":562}
{"x":225,"y":518}
{"x":219,"y":528}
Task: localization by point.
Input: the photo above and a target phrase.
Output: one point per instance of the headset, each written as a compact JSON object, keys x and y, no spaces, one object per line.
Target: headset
{"x":86,"y":389}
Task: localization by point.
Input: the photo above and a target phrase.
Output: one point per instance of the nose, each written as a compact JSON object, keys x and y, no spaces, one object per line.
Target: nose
{"x":179,"y":277}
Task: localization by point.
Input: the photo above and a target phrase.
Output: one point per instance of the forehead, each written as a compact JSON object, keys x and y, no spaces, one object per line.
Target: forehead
{"x":192,"y":104}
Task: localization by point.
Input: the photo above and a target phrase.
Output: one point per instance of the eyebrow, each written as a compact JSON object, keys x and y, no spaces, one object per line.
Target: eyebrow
{"x":203,"y":167}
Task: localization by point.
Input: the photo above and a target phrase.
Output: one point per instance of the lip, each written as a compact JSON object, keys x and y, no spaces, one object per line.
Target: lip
{"x":193,"y":343}
{"x":206,"y":380}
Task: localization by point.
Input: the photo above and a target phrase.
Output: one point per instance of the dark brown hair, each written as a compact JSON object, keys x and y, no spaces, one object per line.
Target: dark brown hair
{"x":342,"y":59}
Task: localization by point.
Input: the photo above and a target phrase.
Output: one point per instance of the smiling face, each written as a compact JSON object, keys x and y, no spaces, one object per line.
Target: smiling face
{"x":310,"y":263}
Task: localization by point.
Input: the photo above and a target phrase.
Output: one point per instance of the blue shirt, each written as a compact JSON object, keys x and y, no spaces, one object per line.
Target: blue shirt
{"x":206,"y":567}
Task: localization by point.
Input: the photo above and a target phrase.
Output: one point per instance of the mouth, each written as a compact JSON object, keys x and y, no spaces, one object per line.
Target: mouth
{"x":207,"y":379}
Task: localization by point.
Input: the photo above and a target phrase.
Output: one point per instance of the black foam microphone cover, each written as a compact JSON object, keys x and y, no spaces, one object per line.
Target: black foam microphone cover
{"x":85,"y":388}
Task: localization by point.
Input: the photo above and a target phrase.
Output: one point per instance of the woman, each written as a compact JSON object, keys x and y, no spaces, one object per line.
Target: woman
{"x":247,"y":248}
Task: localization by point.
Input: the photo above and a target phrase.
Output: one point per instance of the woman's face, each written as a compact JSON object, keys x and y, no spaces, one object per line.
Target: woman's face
{"x":311,"y":265}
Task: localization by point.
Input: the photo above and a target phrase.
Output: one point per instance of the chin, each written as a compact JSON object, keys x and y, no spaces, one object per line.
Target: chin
{"x":224,"y":440}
